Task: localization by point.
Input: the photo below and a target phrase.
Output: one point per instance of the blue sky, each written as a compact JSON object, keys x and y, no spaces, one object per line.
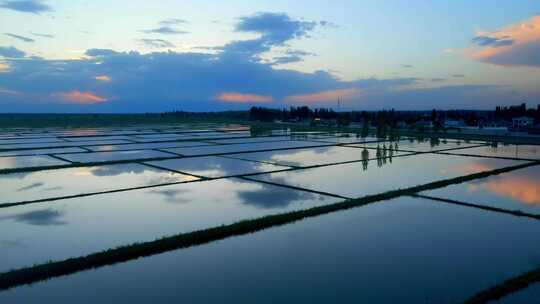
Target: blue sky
{"x":94,"y":56}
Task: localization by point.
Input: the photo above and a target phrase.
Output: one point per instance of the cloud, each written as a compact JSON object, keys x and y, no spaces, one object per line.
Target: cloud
{"x":118,"y":170}
{"x":291,"y":56}
{"x":42,"y":35}
{"x":521,"y":187}
{"x":168,"y":81}
{"x":9,"y":92}
{"x":43,"y":217}
{"x":328,"y":24}
{"x":100,"y":52}
{"x":103,"y":78}
{"x":4,"y":67}
{"x":175,"y":196}
{"x":492,"y":41}
{"x":514,"y":45}
{"x":243,"y":98}
{"x":225,"y":79}
{"x":79,"y":97}
{"x":26,"y":6}
{"x":166,"y":30}
{"x":11,"y":52}
{"x":268,"y":197}
{"x":324,"y":96}
{"x":274,"y":29}
{"x":172,"y":21}
{"x":286,"y":59}
{"x":156,"y":43}
{"x":22,"y":38}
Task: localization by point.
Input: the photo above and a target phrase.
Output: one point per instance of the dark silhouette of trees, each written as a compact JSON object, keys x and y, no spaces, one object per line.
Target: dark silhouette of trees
{"x":365,"y":158}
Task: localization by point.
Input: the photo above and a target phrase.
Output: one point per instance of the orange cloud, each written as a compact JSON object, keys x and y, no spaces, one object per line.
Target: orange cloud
{"x":466,"y":169}
{"x":104,"y":78}
{"x":517,"y":44}
{"x":4,"y":67}
{"x":521,"y":188}
{"x":80,"y":97}
{"x":243,"y":98}
{"x":324,"y":96}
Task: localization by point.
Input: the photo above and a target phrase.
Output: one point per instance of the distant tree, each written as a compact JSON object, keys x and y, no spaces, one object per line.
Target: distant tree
{"x":365,"y":128}
{"x":365,"y":158}
{"x":433,"y":115}
{"x":434,"y":141}
{"x":378,"y":155}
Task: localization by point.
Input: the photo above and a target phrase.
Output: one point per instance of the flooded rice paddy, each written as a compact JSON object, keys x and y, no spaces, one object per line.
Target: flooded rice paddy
{"x":434,"y":220}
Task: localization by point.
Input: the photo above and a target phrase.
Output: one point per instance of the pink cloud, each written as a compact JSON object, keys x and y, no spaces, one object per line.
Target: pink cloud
{"x":522,"y":188}
{"x":243,"y":98}
{"x":324,"y":96}
{"x":517,"y":44}
{"x":80,"y":97}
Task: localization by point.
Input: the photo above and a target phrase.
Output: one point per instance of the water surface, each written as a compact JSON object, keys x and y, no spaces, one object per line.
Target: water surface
{"x":515,"y":190}
{"x":376,"y":176}
{"x":422,"y":252}
{"x":72,"y":227}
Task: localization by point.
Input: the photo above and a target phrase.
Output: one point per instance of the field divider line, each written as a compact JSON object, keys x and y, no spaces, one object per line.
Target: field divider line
{"x":117,"y":144}
{"x":47,"y":154}
{"x":131,"y":141}
{"x":256,"y":142}
{"x":2,"y":145}
{"x":448,"y":149}
{"x":36,"y":273}
{"x":60,"y":158}
{"x":89,"y":164}
{"x":80,"y":147}
{"x":146,"y":142}
{"x":431,"y":151}
{"x":505,"y":288}
{"x":295,"y":188}
{"x":174,"y":171}
{"x":202,"y":178}
{"x":80,"y":165}
{"x":58,"y":198}
{"x":478,"y":206}
{"x":168,"y":152}
{"x":259,"y":161}
{"x":487,"y":156}
{"x":135,"y":133}
{"x":356,"y":142}
{"x":326,"y":164}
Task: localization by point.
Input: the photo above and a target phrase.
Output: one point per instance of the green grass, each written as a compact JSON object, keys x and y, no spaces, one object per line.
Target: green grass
{"x":125,"y":253}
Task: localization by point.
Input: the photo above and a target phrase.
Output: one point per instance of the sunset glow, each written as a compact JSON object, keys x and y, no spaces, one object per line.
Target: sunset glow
{"x":79,"y":97}
{"x":522,"y":188}
{"x":243,"y":98}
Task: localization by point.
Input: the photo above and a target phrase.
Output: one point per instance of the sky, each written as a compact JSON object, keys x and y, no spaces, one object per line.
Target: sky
{"x":154,"y":56}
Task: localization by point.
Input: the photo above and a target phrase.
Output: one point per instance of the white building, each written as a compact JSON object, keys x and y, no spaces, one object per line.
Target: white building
{"x":522,"y":122}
